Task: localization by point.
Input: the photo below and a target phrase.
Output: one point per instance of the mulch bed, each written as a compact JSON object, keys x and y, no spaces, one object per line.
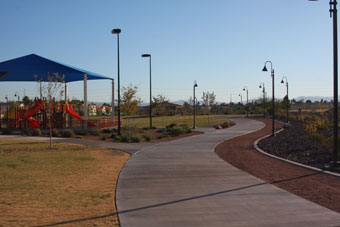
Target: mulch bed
{"x":293,"y":144}
{"x":317,"y":187}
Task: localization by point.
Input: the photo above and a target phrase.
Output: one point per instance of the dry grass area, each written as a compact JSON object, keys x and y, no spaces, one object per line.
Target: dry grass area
{"x":66,"y":185}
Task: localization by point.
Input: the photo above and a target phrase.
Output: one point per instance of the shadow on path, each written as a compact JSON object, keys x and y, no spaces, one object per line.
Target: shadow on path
{"x":179,"y":200}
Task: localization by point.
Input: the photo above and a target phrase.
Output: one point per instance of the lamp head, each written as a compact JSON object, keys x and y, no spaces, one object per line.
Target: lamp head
{"x":116,"y":31}
{"x":282,"y":81}
{"x":146,"y":55}
{"x":260,"y":86}
{"x":244,"y":89}
{"x":264,"y":69}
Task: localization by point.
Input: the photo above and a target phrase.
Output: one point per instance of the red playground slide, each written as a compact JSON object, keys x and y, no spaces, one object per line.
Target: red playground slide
{"x":70,"y":110}
{"x":38,"y":105}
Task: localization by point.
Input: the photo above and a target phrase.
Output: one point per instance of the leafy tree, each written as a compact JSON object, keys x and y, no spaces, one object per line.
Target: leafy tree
{"x":159,"y":103}
{"x":129,"y":103}
{"x":27,"y":101}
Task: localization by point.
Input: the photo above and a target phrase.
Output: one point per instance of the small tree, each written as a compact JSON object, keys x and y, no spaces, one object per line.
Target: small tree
{"x":51,"y":91}
{"x":129,"y":103}
{"x":208,"y":102}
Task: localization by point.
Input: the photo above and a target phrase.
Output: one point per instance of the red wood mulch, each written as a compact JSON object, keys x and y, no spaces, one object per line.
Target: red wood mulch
{"x":317,"y":187}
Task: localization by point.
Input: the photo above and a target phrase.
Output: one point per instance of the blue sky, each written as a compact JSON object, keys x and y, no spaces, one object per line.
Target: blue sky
{"x":222,"y":44}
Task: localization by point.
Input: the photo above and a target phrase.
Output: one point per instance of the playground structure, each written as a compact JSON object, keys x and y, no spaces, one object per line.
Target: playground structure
{"x":62,"y":116}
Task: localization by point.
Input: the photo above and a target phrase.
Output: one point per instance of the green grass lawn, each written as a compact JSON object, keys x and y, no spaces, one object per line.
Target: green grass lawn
{"x":161,"y":122}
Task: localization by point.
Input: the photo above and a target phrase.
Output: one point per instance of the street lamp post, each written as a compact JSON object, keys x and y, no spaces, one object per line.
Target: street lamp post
{"x":273,"y":101}
{"x":241,"y":97}
{"x":17,"y":94}
{"x":246,"y":89}
{"x":264,"y":99}
{"x":334,"y":13}
{"x":287,"y":101}
{"x":195,"y":85}
{"x":150,"y":110}
{"x":117,"y":31}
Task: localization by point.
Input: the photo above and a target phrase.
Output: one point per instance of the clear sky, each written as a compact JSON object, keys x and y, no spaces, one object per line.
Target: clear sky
{"x":222,"y":44}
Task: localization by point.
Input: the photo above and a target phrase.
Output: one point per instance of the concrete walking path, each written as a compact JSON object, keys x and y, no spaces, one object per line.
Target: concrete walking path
{"x":184,"y":183}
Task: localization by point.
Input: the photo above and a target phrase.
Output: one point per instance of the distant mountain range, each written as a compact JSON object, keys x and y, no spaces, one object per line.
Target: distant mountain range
{"x":181,"y":102}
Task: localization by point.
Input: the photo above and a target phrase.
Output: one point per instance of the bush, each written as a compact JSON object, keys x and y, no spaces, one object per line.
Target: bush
{"x":135,"y":139}
{"x":55,"y":132}
{"x":79,"y":137}
{"x":124,"y":138}
{"x":153,"y":127}
{"x":81,"y":133}
{"x":106,"y":130}
{"x":103,"y":137}
{"x":147,"y":137}
{"x":316,"y":137}
{"x":26,"y":132}
{"x":160,"y":137}
{"x":145,"y":128}
{"x":161,"y":130}
{"x":95,"y":132}
{"x":6,"y":131}
{"x":172,"y":125}
{"x":117,"y":137}
{"x":36,"y":132}
{"x":140,"y":130}
{"x":67,"y":133}
{"x":185,"y":128}
{"x":176,"y":131}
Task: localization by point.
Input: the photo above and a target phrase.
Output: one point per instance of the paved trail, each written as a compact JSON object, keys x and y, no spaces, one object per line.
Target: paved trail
{"x":184,"y":183}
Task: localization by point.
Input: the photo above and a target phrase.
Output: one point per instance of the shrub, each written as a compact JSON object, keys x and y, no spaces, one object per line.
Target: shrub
{"x":55,"y":132}
{"x":106,"y":130}
{"x":185,"y":128}
{"x":147,"y":137}
{"x":176,"y":131}
{"x":95,"y":132}
{"x":145,"y":128}
{"x":160,"y":137}
{"x":26,"y":132}
{"x":117,"y":137}
{"x":67,"y":133}
{"x":7,"y":131}
{"x":135,"y":139}
{"x":79,"y":137}
{"x":316,"y":137}
{"x":124,"y":138}
{"x":103,"y":137}
{"x":140,"y":130}
{"x":36,"y":132}
{"x":82,"y":133}
{"x":170,"y":125}
{"x":161,"y":130}
{"x":153,"y":127}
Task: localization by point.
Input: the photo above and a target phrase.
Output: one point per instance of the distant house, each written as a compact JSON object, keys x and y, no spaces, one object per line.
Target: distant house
{"x":173,"y":108}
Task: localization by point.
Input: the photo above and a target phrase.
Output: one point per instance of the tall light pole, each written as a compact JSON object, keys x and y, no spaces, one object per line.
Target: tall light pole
{"x":150,"y":110}
{"x":334,"y":13}
{"x":195,"y":85}
{"x":273,"y":101}
{"x":246,"y":89}
{"x":17,"y":94}
{"x":117,"y":31}
{"x":241,"y":97}
{"x":264,"y":99}
{"x":287,"y":101}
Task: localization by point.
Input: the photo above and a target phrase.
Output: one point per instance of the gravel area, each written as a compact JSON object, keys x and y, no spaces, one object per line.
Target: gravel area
{"x":317,"y":187}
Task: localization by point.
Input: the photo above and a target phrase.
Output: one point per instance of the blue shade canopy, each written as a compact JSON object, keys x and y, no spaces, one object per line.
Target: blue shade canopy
{"x":34,"y":67}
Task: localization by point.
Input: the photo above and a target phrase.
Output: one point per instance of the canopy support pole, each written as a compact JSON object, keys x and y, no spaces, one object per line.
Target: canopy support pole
{"x":40,"y":90}
{"x":113,"y":102}
{"x":66,"y":93}
{"x":85,"y":99}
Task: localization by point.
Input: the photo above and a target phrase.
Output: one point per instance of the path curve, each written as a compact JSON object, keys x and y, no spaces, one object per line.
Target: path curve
{"x":184,"y":183}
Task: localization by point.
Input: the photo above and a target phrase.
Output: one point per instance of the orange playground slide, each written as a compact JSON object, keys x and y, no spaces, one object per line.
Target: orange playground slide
{"x":70,"y":110}
{"x":39,"y":105}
